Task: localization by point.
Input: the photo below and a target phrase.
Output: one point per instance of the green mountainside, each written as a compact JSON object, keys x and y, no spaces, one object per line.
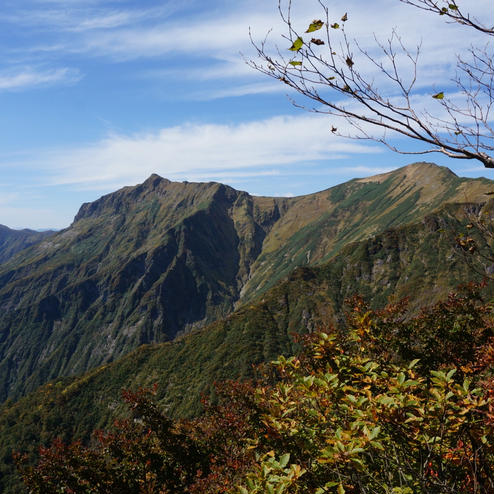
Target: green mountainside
{"x":136,"y":266}
{"x":317,"y":226}
{"x":419,"y":260}
{"x":150,"y":262}
{"x":13,"y":241}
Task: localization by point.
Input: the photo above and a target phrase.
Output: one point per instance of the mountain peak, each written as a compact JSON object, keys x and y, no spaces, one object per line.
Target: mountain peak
{"x":115,"y":200}
{"x":418,"y":173}
{"x":161,"y":258}
{"x":424,"y":167}
{"x":154,"y":180}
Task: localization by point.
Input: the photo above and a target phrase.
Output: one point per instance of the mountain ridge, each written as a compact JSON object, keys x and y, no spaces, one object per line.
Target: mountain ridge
{"x":13,"y":241}
{"x":153,"y":261}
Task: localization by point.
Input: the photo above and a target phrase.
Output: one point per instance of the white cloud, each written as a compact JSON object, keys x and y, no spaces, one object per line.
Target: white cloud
{"x":207,"y":46}
{"x":214,"y":38}
{"x":205,"y":150}
{"x":224,"y":67}
{"x":26,"y":78}
{"x":83,"y":16}
{"x":240,"y":90}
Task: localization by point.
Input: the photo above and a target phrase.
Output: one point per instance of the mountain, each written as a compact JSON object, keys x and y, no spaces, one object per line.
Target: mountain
{"x":13,"y":241}
{"x":286,"y":264}
{"x":318,"y":225}
{"x":419,"y":260}
{"x":151,"y":262}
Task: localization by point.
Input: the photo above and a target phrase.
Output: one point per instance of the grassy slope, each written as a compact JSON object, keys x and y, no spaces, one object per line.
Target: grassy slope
{"x":317,"y":226}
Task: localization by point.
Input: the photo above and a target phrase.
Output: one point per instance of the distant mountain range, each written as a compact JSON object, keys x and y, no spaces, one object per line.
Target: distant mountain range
{"x":13,"y":241}
{"x":182,"y":284}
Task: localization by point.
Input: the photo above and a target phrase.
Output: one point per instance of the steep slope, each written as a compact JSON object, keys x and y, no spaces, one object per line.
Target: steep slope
{"x":13,"y":241}
{"x":418,"y":260}
{"x":150,"y":262}
{"x":317,"y":226}
{"x":140,"y":265}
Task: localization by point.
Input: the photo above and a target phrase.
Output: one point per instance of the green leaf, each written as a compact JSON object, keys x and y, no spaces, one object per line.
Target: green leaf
{"x":375,"y":432}
{"x":386,"y":400}
{"x":438,"y":374}
{"x":297,"y":44}
{"x":315,"y":26}
{"x":450,"y":374}
{"x":435,"y":439}
{"x":328,"y":485}
{"x":295,"y":63}
{"x":452,"y":6}
{"x":341,"y":489}
{"x":335,"y":25}
{"x":284,"y":460}
{"x":377,"y":445}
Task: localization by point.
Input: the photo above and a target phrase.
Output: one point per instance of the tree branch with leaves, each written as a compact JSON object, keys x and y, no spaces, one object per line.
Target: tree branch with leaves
{"x":325,"y":65}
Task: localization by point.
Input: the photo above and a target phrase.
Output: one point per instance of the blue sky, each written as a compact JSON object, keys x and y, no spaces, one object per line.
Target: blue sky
{"x":96,"y":94}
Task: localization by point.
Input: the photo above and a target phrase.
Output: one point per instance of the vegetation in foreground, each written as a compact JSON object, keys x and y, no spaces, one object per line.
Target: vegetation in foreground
{"x":389,"y":404}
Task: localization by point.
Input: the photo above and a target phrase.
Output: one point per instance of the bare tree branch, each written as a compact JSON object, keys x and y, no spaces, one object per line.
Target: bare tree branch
{"x":452,"y":11}
{"x":326,"y":70}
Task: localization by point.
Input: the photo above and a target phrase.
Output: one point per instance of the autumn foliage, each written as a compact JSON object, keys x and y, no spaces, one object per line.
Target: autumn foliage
{"x":391,"y":403}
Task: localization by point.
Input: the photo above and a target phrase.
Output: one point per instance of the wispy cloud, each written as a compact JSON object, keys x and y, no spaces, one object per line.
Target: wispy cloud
{"x":193,"y":150}
{"x":207,"y":46}
{"x":215,"y":38}
{"x":65,"y":16}
{"x":25,"y":78}
{"x":225,"y":66}
{"x":240,"y":90}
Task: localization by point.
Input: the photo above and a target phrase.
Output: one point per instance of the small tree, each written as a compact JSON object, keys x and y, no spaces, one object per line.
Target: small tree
{"x":324,"y":65}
